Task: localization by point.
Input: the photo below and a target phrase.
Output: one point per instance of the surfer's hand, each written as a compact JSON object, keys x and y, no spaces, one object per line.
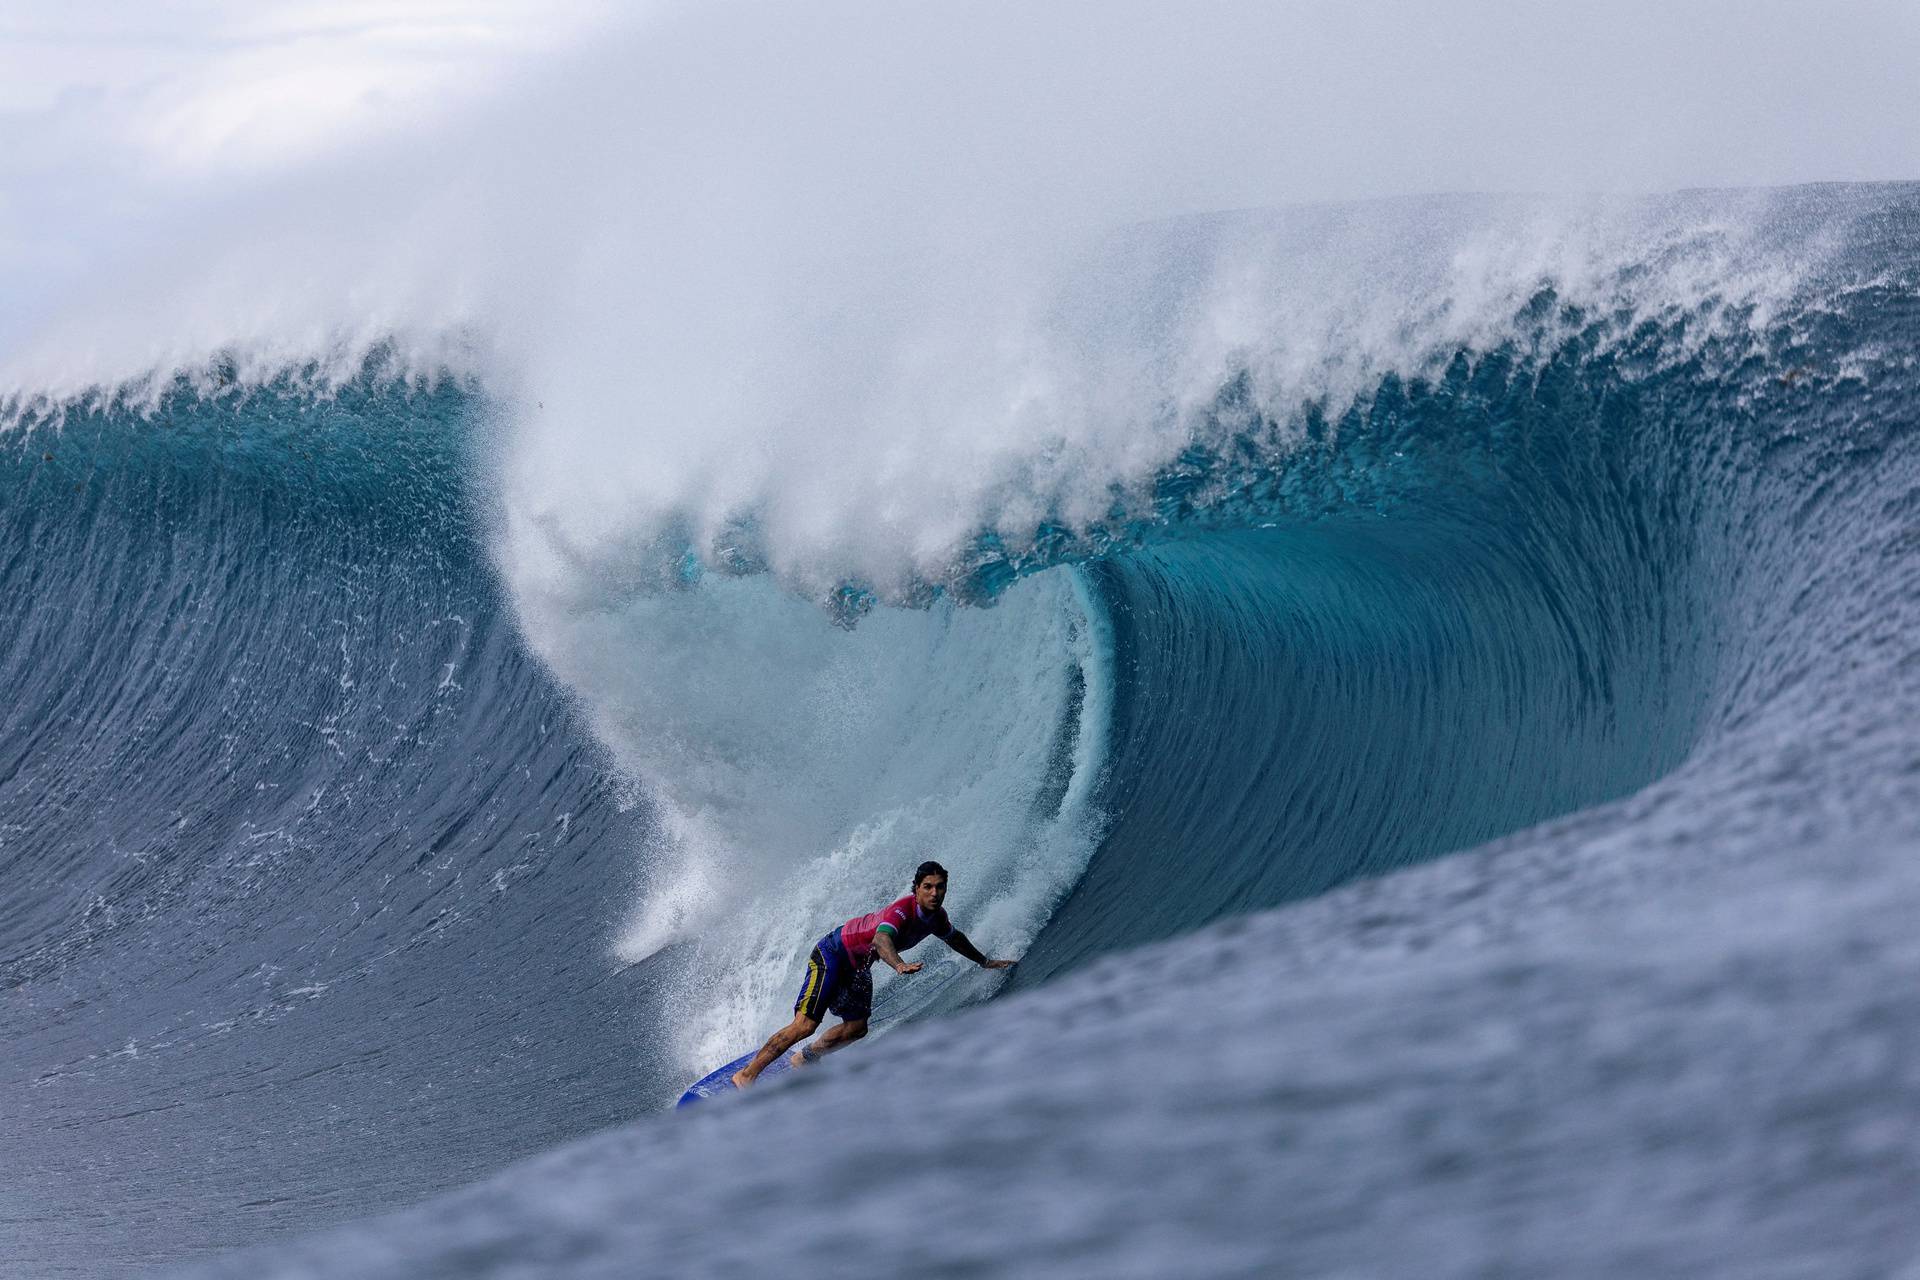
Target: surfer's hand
{"x":998,"y":964}
{"x":909,"y":968}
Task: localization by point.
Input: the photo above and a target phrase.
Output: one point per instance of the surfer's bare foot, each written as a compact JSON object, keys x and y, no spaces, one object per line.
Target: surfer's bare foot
{"x":740,"y":1079}
{"x":797,"y":1059}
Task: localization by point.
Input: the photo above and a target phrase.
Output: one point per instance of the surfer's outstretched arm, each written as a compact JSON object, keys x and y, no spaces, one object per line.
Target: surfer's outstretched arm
{"x":960,"y":943}
{"x":890,"y":954}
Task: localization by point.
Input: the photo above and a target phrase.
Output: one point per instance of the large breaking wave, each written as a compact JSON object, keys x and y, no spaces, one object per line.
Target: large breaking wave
{"x":401,"y":775}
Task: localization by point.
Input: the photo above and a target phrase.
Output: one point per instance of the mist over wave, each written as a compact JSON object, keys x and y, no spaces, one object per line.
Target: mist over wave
{"x":702,"y":290}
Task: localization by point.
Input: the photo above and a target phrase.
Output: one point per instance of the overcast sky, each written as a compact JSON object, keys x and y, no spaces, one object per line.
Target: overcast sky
{"x":192,"y":85}
{"x":1652,"y":94}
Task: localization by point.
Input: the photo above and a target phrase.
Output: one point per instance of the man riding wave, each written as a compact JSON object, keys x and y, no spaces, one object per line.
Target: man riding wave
{"x":840,"y":970}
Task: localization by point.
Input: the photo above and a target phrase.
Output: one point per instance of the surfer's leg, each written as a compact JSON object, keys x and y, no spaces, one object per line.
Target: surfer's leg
{"x":840,"y":1035}
{"x":826,"y":972}
{"x":778,"y":1043}
{"x":854,"y":1004}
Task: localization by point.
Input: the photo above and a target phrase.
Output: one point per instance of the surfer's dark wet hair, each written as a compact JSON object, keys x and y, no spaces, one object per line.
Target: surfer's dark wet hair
{"x":926,"y":869}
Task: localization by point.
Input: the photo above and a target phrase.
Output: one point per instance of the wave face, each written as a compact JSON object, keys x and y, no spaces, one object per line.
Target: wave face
{"x":377,"y":820}
{"x":306,"y":855}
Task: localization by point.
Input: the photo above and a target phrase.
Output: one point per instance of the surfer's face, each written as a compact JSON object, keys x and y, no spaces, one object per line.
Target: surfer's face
{"x":930,"y":892}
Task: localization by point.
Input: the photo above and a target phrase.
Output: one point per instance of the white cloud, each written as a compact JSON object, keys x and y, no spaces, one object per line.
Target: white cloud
{"x":190,"y":91}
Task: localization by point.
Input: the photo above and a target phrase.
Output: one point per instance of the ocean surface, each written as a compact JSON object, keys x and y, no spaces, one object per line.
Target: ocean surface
{"x":1432,"y":696}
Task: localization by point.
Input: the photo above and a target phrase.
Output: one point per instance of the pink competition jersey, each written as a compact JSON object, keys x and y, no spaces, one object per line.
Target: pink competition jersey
{"x":904,"y":918}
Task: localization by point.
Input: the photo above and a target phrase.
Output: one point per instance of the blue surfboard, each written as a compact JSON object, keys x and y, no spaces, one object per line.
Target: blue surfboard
{"x":896,"y":1000}
{"x":721,"y":1080}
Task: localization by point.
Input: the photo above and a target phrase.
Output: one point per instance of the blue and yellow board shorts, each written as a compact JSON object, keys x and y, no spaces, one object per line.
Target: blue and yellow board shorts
{"x":834,"y":983}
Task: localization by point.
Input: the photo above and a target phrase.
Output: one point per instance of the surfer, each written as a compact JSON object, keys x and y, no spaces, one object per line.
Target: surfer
{"x":840,"y":970}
